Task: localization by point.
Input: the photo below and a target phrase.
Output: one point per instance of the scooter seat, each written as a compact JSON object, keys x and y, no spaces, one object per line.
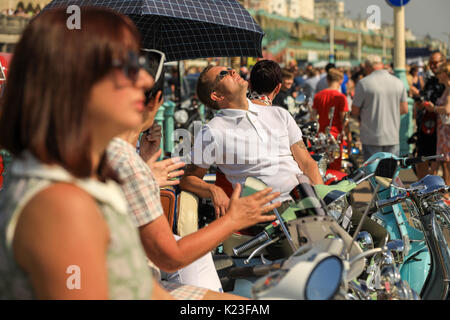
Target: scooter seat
{"x":344,"y":186}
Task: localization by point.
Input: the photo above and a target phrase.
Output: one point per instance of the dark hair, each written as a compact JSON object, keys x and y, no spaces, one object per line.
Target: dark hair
{"x":330,"y":66}
{"x":52,"y":72}
{"x":265,"y":76}
{"x":204,"y":88}
{"x":414,"y":68}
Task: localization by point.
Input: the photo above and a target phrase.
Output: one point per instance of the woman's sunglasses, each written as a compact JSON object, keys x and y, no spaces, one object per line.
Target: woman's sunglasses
{"x":131,"y":65}
{"x":152,"y":55}
{"x":134,"y":62}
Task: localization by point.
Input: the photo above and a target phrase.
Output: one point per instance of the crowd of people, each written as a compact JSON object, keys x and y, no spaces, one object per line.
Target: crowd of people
{"x":22,"y":11}
{"x":376,"y":99}
{"x":78,"y":195}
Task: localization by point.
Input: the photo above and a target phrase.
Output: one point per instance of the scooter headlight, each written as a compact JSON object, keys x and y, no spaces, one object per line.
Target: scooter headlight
{"x":181,"y":116}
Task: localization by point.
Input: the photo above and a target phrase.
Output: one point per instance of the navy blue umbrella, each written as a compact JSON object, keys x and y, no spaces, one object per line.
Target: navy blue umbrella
{"x":188,"y":29}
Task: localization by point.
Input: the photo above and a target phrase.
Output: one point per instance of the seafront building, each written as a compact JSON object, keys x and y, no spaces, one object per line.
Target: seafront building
{"x":304,"y":30}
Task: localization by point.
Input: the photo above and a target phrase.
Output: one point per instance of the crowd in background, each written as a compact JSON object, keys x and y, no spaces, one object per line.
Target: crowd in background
{"x":23,"y":11}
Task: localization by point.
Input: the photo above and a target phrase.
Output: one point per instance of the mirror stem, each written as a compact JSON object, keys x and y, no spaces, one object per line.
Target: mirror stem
{"x":285,"y":230}
{"x":363,"y":218}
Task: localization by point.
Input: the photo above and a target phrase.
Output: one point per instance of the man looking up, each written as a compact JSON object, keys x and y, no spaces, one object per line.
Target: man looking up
{"x":245,"y":140}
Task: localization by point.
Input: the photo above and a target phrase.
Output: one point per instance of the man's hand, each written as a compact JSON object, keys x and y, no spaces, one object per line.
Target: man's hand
{"x":248,"y":211}
{"x":165,"y":170}
{"x":220,"y":200}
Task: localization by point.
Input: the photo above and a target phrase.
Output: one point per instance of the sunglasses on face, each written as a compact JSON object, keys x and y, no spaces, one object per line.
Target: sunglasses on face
{"x":222,"y":74}
{"x":153,"y":55}
{"x":131,"y":66}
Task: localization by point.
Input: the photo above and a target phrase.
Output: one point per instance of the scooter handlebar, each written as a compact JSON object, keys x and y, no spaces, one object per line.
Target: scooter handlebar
{"x":410,"y":161}
{"x":357,"y":175}
{"x":252,"y":243}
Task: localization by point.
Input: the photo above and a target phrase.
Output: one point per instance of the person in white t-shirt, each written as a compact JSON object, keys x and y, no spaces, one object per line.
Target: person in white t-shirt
{"x":245,"y":140}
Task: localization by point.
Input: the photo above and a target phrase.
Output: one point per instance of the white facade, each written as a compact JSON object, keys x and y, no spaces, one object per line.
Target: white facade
{"x":325,"y":8}
{"x":306,"y":9}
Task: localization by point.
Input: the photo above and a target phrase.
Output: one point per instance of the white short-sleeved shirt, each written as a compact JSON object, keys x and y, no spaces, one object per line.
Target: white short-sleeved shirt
{"x":251,"y":143}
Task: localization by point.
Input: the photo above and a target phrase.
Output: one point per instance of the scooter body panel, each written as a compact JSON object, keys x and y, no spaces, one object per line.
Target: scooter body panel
{"x":416,"y":265}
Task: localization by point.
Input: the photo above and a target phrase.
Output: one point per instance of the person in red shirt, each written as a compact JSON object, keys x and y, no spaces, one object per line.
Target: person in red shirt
{"x":324,"y":101}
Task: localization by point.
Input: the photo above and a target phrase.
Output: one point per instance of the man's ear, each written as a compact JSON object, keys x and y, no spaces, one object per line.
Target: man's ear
{"x":277,"y":89}
{"x":216,"y":97}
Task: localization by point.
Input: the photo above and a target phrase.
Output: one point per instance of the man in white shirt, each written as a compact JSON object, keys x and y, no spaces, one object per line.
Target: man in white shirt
{"x":243,"y":140}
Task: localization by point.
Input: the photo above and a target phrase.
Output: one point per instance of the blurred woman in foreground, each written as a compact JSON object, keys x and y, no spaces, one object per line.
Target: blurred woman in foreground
{"x":64,"y":228}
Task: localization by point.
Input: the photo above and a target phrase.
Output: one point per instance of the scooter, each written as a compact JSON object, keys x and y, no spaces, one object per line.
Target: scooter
{"x":417,"y":263}
{"x":326,"y":261}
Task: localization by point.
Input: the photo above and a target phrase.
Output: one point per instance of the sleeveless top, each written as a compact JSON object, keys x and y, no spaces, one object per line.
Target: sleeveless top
{"x":128,"y":274}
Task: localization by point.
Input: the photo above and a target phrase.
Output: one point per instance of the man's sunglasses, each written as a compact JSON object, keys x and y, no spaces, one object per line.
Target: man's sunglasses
{"x":222,"y":74}
{"x":134,"y":62}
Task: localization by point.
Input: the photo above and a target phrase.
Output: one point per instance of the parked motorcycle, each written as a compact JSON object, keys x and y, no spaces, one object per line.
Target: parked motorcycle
{"x":326,"y":261}
{"x":425,"y":262}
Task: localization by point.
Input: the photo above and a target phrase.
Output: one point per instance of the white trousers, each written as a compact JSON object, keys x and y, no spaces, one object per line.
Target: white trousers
{"x":200,"y":273}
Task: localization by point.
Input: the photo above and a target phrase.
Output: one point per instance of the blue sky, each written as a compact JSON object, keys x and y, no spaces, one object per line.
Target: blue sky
{"x":421,"y":16}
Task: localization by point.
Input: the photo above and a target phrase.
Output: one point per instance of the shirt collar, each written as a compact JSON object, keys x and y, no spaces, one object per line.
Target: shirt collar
{"x":239,"y":113}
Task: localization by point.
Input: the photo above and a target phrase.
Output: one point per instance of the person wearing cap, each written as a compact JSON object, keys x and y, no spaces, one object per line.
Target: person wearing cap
{"x":379,"y":100}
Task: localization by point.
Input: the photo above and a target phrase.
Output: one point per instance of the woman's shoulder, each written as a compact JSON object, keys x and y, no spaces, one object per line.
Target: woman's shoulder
{"x":66,"y":202}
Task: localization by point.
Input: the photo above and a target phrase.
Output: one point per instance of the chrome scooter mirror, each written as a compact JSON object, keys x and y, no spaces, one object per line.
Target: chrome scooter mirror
{"x":396,"y":245}
{"x":365,"y":240}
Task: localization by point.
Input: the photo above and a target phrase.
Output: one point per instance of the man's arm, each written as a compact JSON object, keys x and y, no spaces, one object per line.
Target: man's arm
{"x":307,"y":164}
{"x":355,"y":112}
{"x":404,"y":107}
{"x":404,"y":102}
{"x":192,"y":181}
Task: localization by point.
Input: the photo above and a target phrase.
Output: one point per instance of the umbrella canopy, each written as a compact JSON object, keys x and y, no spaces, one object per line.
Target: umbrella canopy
{"x":188,"y":29}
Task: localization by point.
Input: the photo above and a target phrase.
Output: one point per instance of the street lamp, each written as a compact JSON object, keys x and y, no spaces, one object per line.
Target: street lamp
{"x":406,"y":125}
